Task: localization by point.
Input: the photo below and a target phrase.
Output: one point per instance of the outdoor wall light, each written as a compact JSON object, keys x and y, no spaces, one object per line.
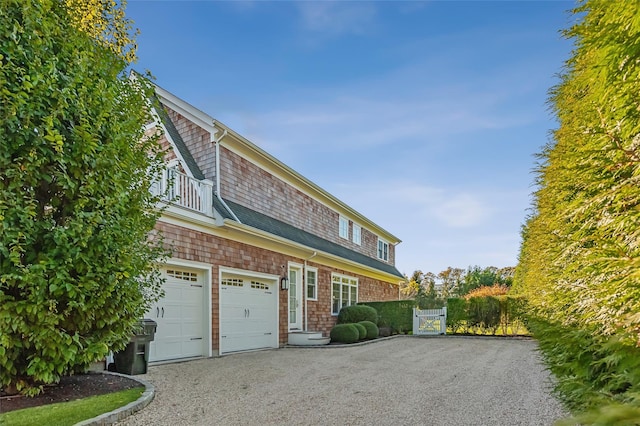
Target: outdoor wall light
{"x":284,"y":283}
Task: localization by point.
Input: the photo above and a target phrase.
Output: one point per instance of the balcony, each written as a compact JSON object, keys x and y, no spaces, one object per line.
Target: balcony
{"x":184,"y":191}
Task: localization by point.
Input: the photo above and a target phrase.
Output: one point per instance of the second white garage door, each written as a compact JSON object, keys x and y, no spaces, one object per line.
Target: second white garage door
{"x":248,"y":313}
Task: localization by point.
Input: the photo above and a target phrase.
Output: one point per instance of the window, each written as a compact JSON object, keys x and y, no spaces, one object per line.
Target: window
{"x":343,"y":229}
{"x":312,"y":284}
{"x":383,"y":250}
{"x":357,"y":234}
{"x":344,"y":292}
{"x":182,"y":275}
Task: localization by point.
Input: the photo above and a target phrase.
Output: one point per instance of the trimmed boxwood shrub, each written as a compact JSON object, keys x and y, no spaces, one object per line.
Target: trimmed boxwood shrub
{"x":371,"y":328}
{"x":357,"y":313}
{"x":362,"y":330}
{"x":344,"y":333}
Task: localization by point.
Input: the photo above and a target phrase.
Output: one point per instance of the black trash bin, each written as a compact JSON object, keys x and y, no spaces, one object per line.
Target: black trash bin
{"x":135,"y":356}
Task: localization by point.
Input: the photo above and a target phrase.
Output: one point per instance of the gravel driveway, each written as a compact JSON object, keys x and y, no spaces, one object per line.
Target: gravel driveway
{"x":398,"y":381}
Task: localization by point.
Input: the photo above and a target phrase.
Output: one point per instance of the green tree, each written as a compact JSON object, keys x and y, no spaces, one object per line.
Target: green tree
{"x":411,"y":286}
{"x":476,"y":277}
{"x":450,"y":281}
{"x":76,"y":260}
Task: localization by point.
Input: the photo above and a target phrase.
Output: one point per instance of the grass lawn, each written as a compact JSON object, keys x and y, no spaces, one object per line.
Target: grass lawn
{"x":72,"y":412}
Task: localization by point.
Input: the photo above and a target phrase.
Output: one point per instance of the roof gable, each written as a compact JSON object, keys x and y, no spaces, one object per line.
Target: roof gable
{"x":173,"y":136}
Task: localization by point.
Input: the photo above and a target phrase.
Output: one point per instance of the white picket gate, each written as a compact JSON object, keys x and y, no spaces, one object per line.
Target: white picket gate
{"x":429,"y":321}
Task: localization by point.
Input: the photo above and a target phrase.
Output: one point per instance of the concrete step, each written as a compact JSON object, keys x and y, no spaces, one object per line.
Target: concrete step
{"x":307,"y":338}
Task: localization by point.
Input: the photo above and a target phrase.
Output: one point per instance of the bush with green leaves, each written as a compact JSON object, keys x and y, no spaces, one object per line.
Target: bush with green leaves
{"x":357,"y":313}
{"x":396,"y":314}
{"x":371,"y":329}
{"x":597,"y":376}
{"x":484,"y":313}
{"x":78,"y":266}
{"x":362,"y":331}
{"x":344,"y":333}
{"x":457,"y":314}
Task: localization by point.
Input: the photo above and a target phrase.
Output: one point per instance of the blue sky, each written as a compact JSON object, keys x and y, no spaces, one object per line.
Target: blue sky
{"x":423,"y":116}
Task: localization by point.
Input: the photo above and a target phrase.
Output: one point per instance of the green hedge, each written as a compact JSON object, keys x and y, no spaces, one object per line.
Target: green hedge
{"x":357,"y":313}
{"x":487,"y":315}
{"x":479,"y":315}
{"x":484,"y":313}
{"x":396,"y":314}
{"x":456,"y":314}
{"x":597,"y":376}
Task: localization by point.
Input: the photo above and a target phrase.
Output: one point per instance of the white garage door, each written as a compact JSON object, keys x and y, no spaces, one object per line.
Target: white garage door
{"x":180,"y":316}
{"x":248,"y":313}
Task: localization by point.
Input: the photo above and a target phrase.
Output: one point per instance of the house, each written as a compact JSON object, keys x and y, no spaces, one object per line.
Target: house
{"x":259,"y":253}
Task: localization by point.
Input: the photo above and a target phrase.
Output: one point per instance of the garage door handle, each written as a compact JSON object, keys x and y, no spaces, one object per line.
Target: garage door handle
{"x":196,"y":338}
{"x":163,"y":312}
{"x":157,"y":312}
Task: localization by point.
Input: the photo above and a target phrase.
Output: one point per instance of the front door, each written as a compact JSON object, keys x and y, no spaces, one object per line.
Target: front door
{"x":295,"y":298}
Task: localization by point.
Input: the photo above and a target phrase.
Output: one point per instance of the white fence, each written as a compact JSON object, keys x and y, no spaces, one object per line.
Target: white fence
{"x":184,"y":191}
{"x":429,"y":321}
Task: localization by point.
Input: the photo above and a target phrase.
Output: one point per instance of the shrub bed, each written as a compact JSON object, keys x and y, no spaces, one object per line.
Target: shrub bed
{"x":487,"y":315}
{"x":344,"y":333}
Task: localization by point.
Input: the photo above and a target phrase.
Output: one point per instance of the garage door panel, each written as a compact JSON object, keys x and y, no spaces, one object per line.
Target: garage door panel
{"x":179,"y":315}
{"x":248,"y":313}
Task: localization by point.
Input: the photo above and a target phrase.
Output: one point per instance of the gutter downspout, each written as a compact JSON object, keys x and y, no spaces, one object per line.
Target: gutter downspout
{"x":217,"y":144}
{"x":304,"y":290}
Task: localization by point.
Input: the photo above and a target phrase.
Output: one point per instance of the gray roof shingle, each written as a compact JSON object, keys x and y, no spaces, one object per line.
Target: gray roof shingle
{"x":290,"y":232}
{"x":177,"y":140}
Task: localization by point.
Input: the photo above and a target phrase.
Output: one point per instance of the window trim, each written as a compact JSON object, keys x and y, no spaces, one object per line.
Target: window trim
{"x":359,"y":233}
{"x":315,"y":284}
{"x":382,"y":252}
{"x":352,"y":283}
{"x":343,"y":220}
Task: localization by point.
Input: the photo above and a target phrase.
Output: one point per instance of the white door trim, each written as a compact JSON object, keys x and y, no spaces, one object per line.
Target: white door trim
{"x":298,"y":267}
{"x":206,"y":269}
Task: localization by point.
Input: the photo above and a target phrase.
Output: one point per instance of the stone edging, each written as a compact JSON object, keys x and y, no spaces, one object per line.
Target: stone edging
{"x":123,"y":412}
{"x":344,"y":345}
{"x":395,"y":336}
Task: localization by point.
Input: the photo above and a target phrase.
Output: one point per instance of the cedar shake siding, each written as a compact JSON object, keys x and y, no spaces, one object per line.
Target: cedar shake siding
{"x":197,"y":246}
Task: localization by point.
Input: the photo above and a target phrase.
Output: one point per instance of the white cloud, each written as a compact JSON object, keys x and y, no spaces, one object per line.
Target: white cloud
{"x":333,"y":18}
{"x":461,"y":211}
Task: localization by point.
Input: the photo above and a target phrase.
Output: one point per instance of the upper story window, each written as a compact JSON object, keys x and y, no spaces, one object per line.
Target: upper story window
{"x":344,"y":292}
{"x":312,"y":283}
{"x":356,"y":236}
{"x":383,"y":250}
{"x":343,"y":229}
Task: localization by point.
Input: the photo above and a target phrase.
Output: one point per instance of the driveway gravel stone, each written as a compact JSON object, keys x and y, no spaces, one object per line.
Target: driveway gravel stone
{"x":447,"y":380}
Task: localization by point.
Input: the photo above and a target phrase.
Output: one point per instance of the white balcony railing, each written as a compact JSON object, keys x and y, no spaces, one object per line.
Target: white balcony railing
{"x":179,"y":189}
